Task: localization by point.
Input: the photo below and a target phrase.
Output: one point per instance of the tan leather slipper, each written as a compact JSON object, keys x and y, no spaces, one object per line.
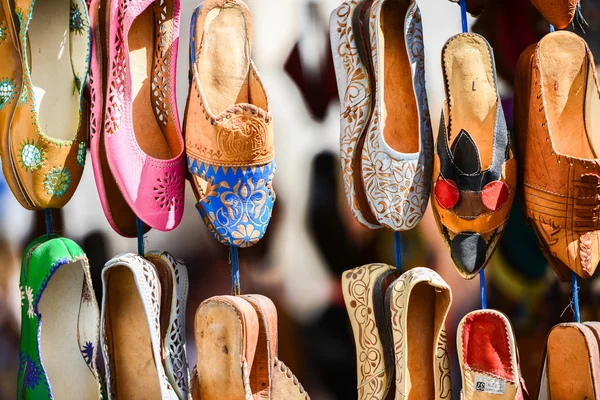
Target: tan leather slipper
{"x":571,"y":368}
{"x":226,"y":330}
{"x":559,"y":13}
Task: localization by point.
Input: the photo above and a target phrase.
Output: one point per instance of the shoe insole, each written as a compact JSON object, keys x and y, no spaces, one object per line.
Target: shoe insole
{"x":134,"y":368}
{"x":399,"y":116}
{"x":564,"y":66}
{"x":472,"y":97}
{"x":224,"y":62}
{"x":141,"y":40}
{"x":219,"y":335}
{"x":52,"y":77}
{"x":420,"y":326}
{"x":569,"y":370}
{"x":69,"y":375}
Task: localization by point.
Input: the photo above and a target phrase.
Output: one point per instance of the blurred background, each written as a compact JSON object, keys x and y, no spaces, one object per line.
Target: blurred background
{"x":312,"y":238}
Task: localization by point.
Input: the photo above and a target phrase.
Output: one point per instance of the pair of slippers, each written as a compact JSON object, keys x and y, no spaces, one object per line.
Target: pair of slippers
{"x":399,"y":330}
{"x":44,"y":48}
{"x":571,"y":366}
{"x":236,"y":343}
{"x":142,"y":327}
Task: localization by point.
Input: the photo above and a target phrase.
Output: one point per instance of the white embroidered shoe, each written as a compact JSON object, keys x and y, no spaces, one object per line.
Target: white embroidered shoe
{"x":130,"y":326}
{"x":397,"y":158}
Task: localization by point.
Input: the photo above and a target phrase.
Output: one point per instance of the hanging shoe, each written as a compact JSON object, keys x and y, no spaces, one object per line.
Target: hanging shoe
{"x":143,"y":141}
{"x":173,"y":278}
{"x":131,"y":331}
{"x":488,"y":357}
{"x":559,"y":13}
{"x":226,"y":330}
{"x":571,"y":368}
{"x":42,"y":112}
{"x":58,"y":361}
{"x":418,"y":303}
{"x":228,"y":126}
{"x":354,"y":88}
{"x":474,"y":168}
{"x":118,"y":213}
{"x":364,"y":290}
{"x":557,"y":103}
{"x":398,"y":150}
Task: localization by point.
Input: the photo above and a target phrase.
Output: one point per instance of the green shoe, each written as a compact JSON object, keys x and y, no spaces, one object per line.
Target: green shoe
{"x":58,"y":357}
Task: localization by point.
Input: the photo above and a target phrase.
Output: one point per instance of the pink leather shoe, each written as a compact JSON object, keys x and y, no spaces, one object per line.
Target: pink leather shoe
{"x":142,"y":135}
{"x":118,"y":213}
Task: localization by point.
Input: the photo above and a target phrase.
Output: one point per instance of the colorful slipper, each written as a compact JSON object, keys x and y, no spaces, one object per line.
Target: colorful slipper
{"x":571,"y":368}
{"x":559,"y":13}
{"x":226,"y":330}
{"x":488,"y":357}
{"x":557,"y":103}
{"x":143,"y":142}
{"x":474,"y":169}
{"x":130,"y":326}
{"x":354,"y":87}
{"x":364,"y":291}
{"x":228,"y":126}
{"x":41,"y":100}
{"x":398,"y":151}
{"x":118,"y":213}
{"x":58,"y":361}
{"x":418,"y":303}
{"x":174,"y":285}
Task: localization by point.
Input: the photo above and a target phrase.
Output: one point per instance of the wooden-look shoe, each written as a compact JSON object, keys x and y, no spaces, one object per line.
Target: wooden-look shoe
{"x":398,"y":151}
{"x":418,"y":303}
{"x":130,"y":331}
{"x":571,"y":368}
{"x":488,"y":357}
{"x":557,"y":103}
{"x":347,"y":27}
{"x":559,"y":13}
{"x":364,"y":291}
{"x":474,"y":170}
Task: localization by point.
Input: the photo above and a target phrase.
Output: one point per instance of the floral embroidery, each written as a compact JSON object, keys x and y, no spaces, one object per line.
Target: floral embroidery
{"x":77,"y":23}
{"x":29,"y":295}
{"x":81,"y":153}
{"x":168,"y":191}
{"x":57,"y":182}
{"x":245,"y":236}
{"x":7,"y":91}
{"x":88,"y":352}
{"x":33,"y":372}
{"x":3,"y":32}
{"x":31,"y":155}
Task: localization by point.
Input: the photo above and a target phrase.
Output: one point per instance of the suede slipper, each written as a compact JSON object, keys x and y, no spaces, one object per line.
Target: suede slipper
{"x":559,"y":13}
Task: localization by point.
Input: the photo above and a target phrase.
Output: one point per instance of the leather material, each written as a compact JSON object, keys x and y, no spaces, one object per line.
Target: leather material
{"x":153,"y":187}
{"x":469,"y":227}
{"x":397,"y":183}
{"x":408,"y":310}
{"x":354,"y":88}
{"x":229,"y":143}
{"x":147,"y":286}
{"x":42,"y":171}
{"x":560,"y":192}
{"x":559,"y":13}
{"x":487,"y":350}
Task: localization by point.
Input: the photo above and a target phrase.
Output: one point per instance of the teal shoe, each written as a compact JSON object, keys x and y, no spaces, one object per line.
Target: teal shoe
{"x":58,"y":357}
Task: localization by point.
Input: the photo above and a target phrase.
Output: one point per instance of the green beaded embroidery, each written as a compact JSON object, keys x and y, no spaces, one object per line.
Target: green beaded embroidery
{"x":7,"y":91}
{"x":3,"y":32}
{"x":57,"y":182}
{"x":77,"y":24}
{"x":31,"y":155}
{"x":81,"y":152}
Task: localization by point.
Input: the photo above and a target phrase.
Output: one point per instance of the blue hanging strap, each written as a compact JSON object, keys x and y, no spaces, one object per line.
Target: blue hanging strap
{"x":236,"y":287}
{"x":49,"y":222}
{"x":398,"y":249}
{"x":463,"y":16}
{"x":483,"y":290}
{"x":552,"y":28}
{"x":575,"y":293}
{"x":140,"y":236}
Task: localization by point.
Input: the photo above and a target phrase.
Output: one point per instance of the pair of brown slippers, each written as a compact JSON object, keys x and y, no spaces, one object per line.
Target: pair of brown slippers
{"x":571,"y":367}
{"x":236,"y":343}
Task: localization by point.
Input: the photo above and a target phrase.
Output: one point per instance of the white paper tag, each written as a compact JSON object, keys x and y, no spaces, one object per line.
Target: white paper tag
{"x":486,"y":384}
